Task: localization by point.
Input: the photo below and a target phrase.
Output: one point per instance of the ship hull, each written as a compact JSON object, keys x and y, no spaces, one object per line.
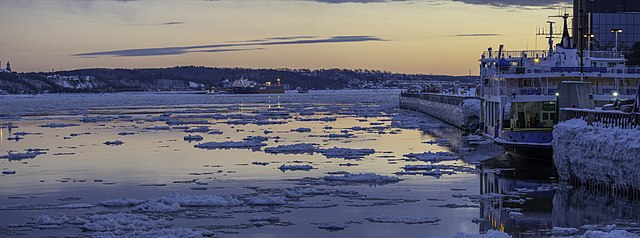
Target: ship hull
{"x":257,"y":90}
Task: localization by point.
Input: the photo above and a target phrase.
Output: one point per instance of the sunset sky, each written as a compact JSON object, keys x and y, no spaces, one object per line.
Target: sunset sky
{"x":419,"y":36}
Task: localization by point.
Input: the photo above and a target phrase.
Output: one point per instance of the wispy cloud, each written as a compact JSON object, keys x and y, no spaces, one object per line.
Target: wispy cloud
{"x":517,"y":3}
{"x":477,"y":35}
{"x":171,"y":23}
{"x":178,"y":50}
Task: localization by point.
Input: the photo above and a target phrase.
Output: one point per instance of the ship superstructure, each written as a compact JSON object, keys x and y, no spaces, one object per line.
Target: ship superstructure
{"x":519,"y":89}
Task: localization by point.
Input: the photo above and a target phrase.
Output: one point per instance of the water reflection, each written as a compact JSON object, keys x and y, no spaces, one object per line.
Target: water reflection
{"x":527,"y":187}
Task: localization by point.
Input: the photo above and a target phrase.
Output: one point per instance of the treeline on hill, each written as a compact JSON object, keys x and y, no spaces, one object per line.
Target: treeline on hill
{"x":178,"y":78}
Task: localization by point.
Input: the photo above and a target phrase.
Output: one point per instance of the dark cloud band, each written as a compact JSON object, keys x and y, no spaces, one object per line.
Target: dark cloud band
{"x":223,"y":47}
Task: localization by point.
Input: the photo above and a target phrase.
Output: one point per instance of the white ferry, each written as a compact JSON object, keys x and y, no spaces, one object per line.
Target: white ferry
{"x":519,"y":90}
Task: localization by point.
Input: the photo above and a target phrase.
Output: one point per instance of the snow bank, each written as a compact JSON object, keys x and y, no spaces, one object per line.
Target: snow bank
{"x":592,"y":152}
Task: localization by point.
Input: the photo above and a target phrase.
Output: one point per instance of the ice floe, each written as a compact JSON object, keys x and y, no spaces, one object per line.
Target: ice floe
{"x":251,"y":142}
{"x":305,"y":167}
{"x":193,"y":138}
{"x":345,"y":153}
{"x":59,"y":125}
{"x":300,"y":148}
{"x":433,"y":157}
{"x":362,"y":178}
{"x":402,"y":219}
{"x":114,"y":142}
{"x":29,"y":154}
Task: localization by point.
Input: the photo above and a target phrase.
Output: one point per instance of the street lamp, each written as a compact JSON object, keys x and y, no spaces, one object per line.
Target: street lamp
{"x":616,"y":30}
{"x":589,"y":36}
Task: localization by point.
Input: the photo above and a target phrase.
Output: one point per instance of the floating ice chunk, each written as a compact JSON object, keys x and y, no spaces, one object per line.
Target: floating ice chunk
{"x":433,"y":157}
{"x":305,"y":167}
{"x":126,"y":133}
{"x":331,"y":226}
{"x":610,"y":234}
{"x":181,"y":232}
{"x":114,"y":142}
{"x":123,"y":222}
{"x":260,"y":163}
{"x":419,"y":167}
{"x":362,"y":178}
{"x":20,"y":156}
{"x":186,"y":200}
{"x":323,"y":119}
{"x":200,"y":129}
{"x":175,"y":122}
{"x":50,"y":222}
{"x":158,"y":128}
{"x":8,"y":172}
{"x":251,"y":142}
{"x":346,"y":153}
{"x":301,"y":148}
{"x":269,"y":122}
{"x":343,"y":135}
{"x":403,"y":219}
{"x":264,"y":200}
{"x":564,"y":231}
{"x":308,"y":204}
{"x":97,"y":119}
{"x":515,"y":214}
{"x":304,"y":192}
{"x":215,"y":132}
{"x":121,"y":202}
{"x":302,"y":129}
{"x":59,"y":125}
{"x":193,"y":138}
{"x":159,"y":205}
{"x":266,"y":132}
{"x":489,"y":234}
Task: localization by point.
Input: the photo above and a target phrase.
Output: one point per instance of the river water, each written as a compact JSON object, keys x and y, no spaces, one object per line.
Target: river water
{"x":351,"y":173}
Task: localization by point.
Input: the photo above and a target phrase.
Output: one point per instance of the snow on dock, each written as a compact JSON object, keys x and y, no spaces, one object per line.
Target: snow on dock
{"x":598,"y":150}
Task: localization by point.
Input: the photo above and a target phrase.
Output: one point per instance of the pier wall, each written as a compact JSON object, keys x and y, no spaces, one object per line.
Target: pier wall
{"x":460,"y":111}
{"x":599,"y":150}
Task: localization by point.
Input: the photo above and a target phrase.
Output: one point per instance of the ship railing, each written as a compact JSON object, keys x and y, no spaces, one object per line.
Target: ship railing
{"x":600,"y":118}
{"x":518,"y":54}
{"x":626,"y":90}
{"x":604,"y":54}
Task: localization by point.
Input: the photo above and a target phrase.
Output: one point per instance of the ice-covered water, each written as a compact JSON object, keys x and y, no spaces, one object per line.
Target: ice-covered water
{"x":323,"y":164}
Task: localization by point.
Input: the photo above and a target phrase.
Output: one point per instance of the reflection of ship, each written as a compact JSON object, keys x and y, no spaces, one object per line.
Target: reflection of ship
{"x":245,"y":86}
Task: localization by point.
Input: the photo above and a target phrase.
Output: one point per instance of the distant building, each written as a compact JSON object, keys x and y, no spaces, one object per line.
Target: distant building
{"x":603,"y":19}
